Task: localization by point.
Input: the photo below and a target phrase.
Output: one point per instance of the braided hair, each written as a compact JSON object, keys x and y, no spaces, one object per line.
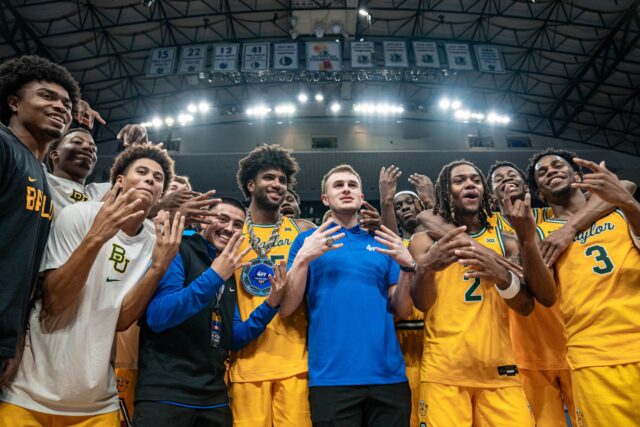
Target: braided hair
{"x":444,"y":205}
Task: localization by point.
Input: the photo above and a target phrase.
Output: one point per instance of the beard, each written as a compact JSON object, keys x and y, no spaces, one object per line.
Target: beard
{"x":410,"y":224}
{"x":54,"y":133}
{"x":263,"y":201}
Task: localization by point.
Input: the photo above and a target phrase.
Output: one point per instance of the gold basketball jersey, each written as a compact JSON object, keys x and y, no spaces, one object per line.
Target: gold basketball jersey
{"x":281,"y":350}
{"x":598,"y":278}
{"x":466,"y":337}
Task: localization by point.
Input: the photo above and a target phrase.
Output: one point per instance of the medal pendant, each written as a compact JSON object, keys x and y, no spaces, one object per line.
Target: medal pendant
{"x":255,"y":276}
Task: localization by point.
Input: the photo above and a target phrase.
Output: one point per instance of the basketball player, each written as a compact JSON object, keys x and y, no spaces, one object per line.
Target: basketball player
{"x":269,"y":379}
{"x":102,"y":266}
{"x":597,"y":281}
{"x":36,"y":99}
{"x":469,"y":376}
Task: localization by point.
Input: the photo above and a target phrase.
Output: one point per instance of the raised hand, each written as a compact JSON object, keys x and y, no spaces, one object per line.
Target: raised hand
{"x":424,"y":189}
{"x":519,"y":214}
{"x":320,"y":241}
{"x":388,"y":182}
{"x":369,"y":217}
{"x":116,"y":210}
{"x":442,"y":253}
{"x":193,"y":205}
{"x":227,"y":262}
{"x":603,"y":183}
{"x":133,"y":134}
{"x":395,"y":247}
{"x":278,"y":281}
{"x":168,"y":238}
{"x":85,"y":115}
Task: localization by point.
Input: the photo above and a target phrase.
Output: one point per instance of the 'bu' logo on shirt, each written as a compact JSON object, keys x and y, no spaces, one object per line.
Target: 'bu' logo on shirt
{"x":77,"y":196}
{"x":120,"y":262}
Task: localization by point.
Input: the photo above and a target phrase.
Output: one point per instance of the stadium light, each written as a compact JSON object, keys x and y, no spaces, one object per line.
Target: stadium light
{"x":303,"y":98}
{"x":444,"y":104}
{"x":203,"y":107}
{"x":319,"y":97}
{"x":335,"y":107}
{"x":285,"y":109}
{"x":192,"y":108}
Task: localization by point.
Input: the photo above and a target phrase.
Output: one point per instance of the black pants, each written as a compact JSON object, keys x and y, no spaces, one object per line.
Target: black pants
{"x":154,"y":414}
{"x":387,"y":405}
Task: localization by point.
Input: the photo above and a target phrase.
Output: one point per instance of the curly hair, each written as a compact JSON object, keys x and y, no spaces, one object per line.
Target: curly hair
{"x":444,"y":203}
{"x":143,"y":151}
{"x":265,"y":157}
{"x":184,"y":180}
{"x":294,"y":194}
{"x":17,"y":73}
{"x":533,"y":161}
{"x":53,"y":145}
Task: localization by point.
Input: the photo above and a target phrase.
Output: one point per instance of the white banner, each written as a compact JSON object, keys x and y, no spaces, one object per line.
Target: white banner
{"x":395,"y":54}
{"x":255,"y":57}
{"x":285,"y":56}
{"x":161,"y":61}
{"x":225,"y":57}
{"x":192,"y":58}
{"x":426,"y":54}
{"x":489,"y":59}
{"x":324,"y":56}
{"x":458,"y":56}
{"x":362,"y":54}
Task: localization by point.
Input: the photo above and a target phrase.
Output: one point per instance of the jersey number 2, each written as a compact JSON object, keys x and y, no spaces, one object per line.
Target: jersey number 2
{"x":601,"y":256}
{"x":469,"y":295}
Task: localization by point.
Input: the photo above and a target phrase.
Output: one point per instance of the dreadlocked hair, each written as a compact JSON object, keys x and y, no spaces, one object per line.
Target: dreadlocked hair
{"x":495,"y":206}
{"x":265,"y":157}
{"x":444,"y":204}
{"x":533,"y":161}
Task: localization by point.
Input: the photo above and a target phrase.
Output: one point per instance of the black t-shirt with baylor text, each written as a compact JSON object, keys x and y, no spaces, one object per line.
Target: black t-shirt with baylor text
{"x":26,"y":211}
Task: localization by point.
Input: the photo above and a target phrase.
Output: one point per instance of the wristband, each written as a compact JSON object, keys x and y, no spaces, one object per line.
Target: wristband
{"x":512,"y":290}
{"x":410,"y":269}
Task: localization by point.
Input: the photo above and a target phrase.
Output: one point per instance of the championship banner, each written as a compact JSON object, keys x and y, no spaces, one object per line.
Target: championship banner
{"x":426,"y":54}
{"x":324,"y":56}
{"x":285,"y":56}
{"x":255,"y":57}
{"x":225,"y":57}
{"x":489,"y":59}
{"x":161,"y":61}
{"x":362,"y":54}
{"x":458,"y":56}
{"x":395,"y":54}
{"x":192,"y":59}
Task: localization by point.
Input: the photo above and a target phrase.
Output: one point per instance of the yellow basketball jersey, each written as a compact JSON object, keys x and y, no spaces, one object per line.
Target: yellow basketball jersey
{"x":466,"y":336}
{"x":410,"y":334}
{"x":598,"y":278}
{"x":281,"y":350}
{"x":538,"y":339}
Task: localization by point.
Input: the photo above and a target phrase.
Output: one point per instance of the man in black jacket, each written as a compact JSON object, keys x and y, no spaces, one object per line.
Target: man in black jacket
{"x":191,"y":324}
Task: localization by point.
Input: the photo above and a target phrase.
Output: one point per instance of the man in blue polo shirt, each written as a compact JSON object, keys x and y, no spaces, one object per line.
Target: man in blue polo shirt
{"x":353,"y":287}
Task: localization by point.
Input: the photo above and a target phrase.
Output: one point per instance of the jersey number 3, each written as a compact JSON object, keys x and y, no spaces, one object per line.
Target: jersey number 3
{"x":605,"y":266}
{"x":469,"y":296}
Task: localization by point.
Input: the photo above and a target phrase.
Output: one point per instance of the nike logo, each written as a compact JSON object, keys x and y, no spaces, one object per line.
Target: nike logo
{"x":109,"y":279}
{"x":31,"y":179}
{"x":231,"y":290}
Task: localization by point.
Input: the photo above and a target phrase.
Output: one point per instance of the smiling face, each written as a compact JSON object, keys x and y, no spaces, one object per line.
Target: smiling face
{"x":554,"y":176}
{"x":75,"y":156}
{"x":43,"y":109}
{"x":507,"y":177}
{"x":466,"y":190}
{"x":290,"y":206}
{"x":226,"y":221}
{"x":269,"y":188}
{"x":343,"y":193}
{"x":406,"y":211}
{"x":147,"y":178}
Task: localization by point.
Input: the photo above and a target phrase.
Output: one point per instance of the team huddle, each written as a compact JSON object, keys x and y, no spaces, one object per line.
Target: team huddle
{"x":457,"y":304}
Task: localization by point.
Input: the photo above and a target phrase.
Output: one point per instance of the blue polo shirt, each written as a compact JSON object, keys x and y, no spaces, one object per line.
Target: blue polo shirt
{"x":352,"y":339}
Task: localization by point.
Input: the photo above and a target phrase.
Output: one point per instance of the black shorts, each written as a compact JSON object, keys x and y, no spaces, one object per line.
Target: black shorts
{"x":155,"y":414}
{"x":386,"y":405}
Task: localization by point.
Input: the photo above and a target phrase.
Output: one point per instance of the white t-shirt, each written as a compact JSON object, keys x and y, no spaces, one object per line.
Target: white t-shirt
{"x":66,"y":192}
{"x":67,"y":364}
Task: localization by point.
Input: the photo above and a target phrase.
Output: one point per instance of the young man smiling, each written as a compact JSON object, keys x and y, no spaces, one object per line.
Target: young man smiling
{"x":36,"y":99}
{"x":102,"y":265}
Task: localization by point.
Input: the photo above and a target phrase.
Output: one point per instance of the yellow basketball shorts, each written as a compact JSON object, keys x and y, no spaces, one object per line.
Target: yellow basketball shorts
{"x":282,"y":403}
{"x":413,"y":375}
{"x":126,"y":381}
{"x":17,"y":416}
{"x":548,"y":392}
{"x":607,"y":395}
{"x":446,"y":405}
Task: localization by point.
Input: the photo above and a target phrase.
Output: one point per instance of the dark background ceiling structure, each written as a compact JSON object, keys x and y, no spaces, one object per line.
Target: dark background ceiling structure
{"x":572,"y":67}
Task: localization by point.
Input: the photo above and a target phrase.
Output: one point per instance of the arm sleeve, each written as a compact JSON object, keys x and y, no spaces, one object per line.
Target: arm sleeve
{"x":250,"y":329}
{"x":173,"y":303}
{"x":67,"y":232}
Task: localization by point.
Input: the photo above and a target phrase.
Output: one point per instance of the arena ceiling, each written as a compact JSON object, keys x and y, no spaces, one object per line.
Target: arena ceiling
{"x":572,"y":67}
